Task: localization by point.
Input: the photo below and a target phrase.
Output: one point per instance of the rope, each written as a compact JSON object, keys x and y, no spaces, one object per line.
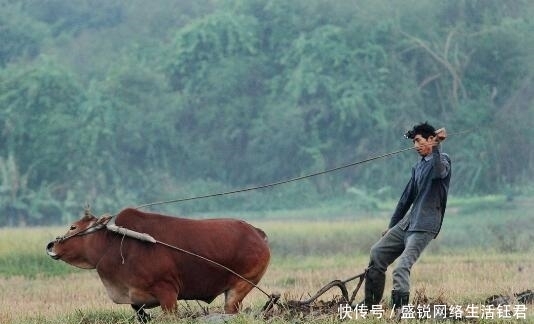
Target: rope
{"x":275,"y":183}
{"x":122,"y":241}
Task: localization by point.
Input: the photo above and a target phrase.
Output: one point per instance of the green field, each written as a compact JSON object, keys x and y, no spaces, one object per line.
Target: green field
{"x":485,"y":248}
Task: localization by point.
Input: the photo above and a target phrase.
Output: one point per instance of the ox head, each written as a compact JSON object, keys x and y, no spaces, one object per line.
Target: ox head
{"x":72,"y":247}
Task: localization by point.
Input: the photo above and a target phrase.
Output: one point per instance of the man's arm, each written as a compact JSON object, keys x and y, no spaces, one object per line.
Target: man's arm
{"x":441,"y":164}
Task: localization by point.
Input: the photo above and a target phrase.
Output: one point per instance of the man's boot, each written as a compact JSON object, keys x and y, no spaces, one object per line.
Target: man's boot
{"x":399,"y":299}
{"x":374,"y":288}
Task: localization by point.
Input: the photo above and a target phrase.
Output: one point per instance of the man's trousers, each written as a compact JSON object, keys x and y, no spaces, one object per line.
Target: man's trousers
{"x":404,"y":245}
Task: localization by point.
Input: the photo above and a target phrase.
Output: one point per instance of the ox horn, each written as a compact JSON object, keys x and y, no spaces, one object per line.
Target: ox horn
{"x":87,"y":210}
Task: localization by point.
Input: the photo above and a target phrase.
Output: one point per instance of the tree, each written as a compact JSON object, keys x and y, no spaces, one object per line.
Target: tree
{"x":41,"y":104}
{"x":114,"y":103}
{"x":40,"y":134}
{"x":20,"y":36}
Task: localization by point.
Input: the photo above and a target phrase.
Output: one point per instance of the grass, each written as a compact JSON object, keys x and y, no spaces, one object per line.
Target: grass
{"x":479,"y":253}
{"x":81,"y":298}
{"x":22,"y":252}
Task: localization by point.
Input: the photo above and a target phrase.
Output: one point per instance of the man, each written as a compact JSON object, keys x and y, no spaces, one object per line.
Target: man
{"x":410,"y":232}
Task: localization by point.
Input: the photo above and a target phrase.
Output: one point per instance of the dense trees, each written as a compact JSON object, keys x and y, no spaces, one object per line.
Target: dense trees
{"x":115,"y":103}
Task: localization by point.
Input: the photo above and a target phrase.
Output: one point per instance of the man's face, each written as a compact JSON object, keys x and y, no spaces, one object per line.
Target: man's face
{"x":422,"y":145}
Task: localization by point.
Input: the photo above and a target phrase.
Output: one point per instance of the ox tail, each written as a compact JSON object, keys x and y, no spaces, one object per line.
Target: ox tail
{"x":262,"y":234}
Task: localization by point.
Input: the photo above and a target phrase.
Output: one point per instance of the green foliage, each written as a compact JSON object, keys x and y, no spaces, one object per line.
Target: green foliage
{"x":21,"y":37}
{"x":40,"y":105}
{"x":207,"y":42}
{"x":117,"y":103}
{"x":21,"y":204}
{"x":73,"y":17}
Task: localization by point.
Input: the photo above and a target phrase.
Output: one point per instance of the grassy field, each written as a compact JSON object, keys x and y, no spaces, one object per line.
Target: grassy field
{"x":483,"y":250}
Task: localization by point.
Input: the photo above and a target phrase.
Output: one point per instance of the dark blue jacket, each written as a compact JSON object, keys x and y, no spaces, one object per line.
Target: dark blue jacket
{"x":426,"y":194}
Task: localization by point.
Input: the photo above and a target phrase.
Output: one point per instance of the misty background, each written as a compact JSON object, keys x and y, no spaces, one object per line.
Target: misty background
{"x":118,"y":103}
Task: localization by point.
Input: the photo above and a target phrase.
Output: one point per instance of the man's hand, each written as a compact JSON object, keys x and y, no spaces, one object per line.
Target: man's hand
{"x":441,"y":135}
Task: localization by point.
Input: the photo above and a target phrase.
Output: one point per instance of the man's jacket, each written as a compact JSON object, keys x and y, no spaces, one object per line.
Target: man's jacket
{"x":426,"y":194}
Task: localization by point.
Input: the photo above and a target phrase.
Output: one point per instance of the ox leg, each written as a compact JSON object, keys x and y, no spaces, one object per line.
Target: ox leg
{"x":234,"y":297}
{"x":167,"y":301}
{"x":142,"y":316}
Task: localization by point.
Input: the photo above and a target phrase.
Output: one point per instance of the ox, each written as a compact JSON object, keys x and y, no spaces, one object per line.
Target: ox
{"x":147,"y":275}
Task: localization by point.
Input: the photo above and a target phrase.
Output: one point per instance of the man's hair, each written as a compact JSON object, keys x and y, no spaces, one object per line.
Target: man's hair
{"x":423,"y":129}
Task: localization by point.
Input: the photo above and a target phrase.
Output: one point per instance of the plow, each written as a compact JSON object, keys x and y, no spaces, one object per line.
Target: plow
{"x":313,"y":304}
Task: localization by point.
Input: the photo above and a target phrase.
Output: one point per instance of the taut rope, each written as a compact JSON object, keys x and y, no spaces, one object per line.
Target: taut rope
{"x":376,"y":157}
{"x":274,"y":183}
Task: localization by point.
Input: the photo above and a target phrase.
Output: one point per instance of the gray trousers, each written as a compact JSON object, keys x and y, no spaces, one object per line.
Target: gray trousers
{"x":401,"y":244}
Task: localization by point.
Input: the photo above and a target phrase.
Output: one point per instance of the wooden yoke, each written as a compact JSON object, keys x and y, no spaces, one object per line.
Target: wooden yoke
{"x":129,"y":233}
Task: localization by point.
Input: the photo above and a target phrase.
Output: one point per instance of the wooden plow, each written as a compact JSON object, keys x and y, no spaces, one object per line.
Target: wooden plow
{"x":275,"y":306}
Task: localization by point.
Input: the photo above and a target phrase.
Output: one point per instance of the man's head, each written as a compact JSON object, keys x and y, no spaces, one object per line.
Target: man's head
{"x":423,"y":137}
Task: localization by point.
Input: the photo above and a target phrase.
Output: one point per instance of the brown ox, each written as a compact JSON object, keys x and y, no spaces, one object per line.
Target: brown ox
{"x":148,"y":275}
